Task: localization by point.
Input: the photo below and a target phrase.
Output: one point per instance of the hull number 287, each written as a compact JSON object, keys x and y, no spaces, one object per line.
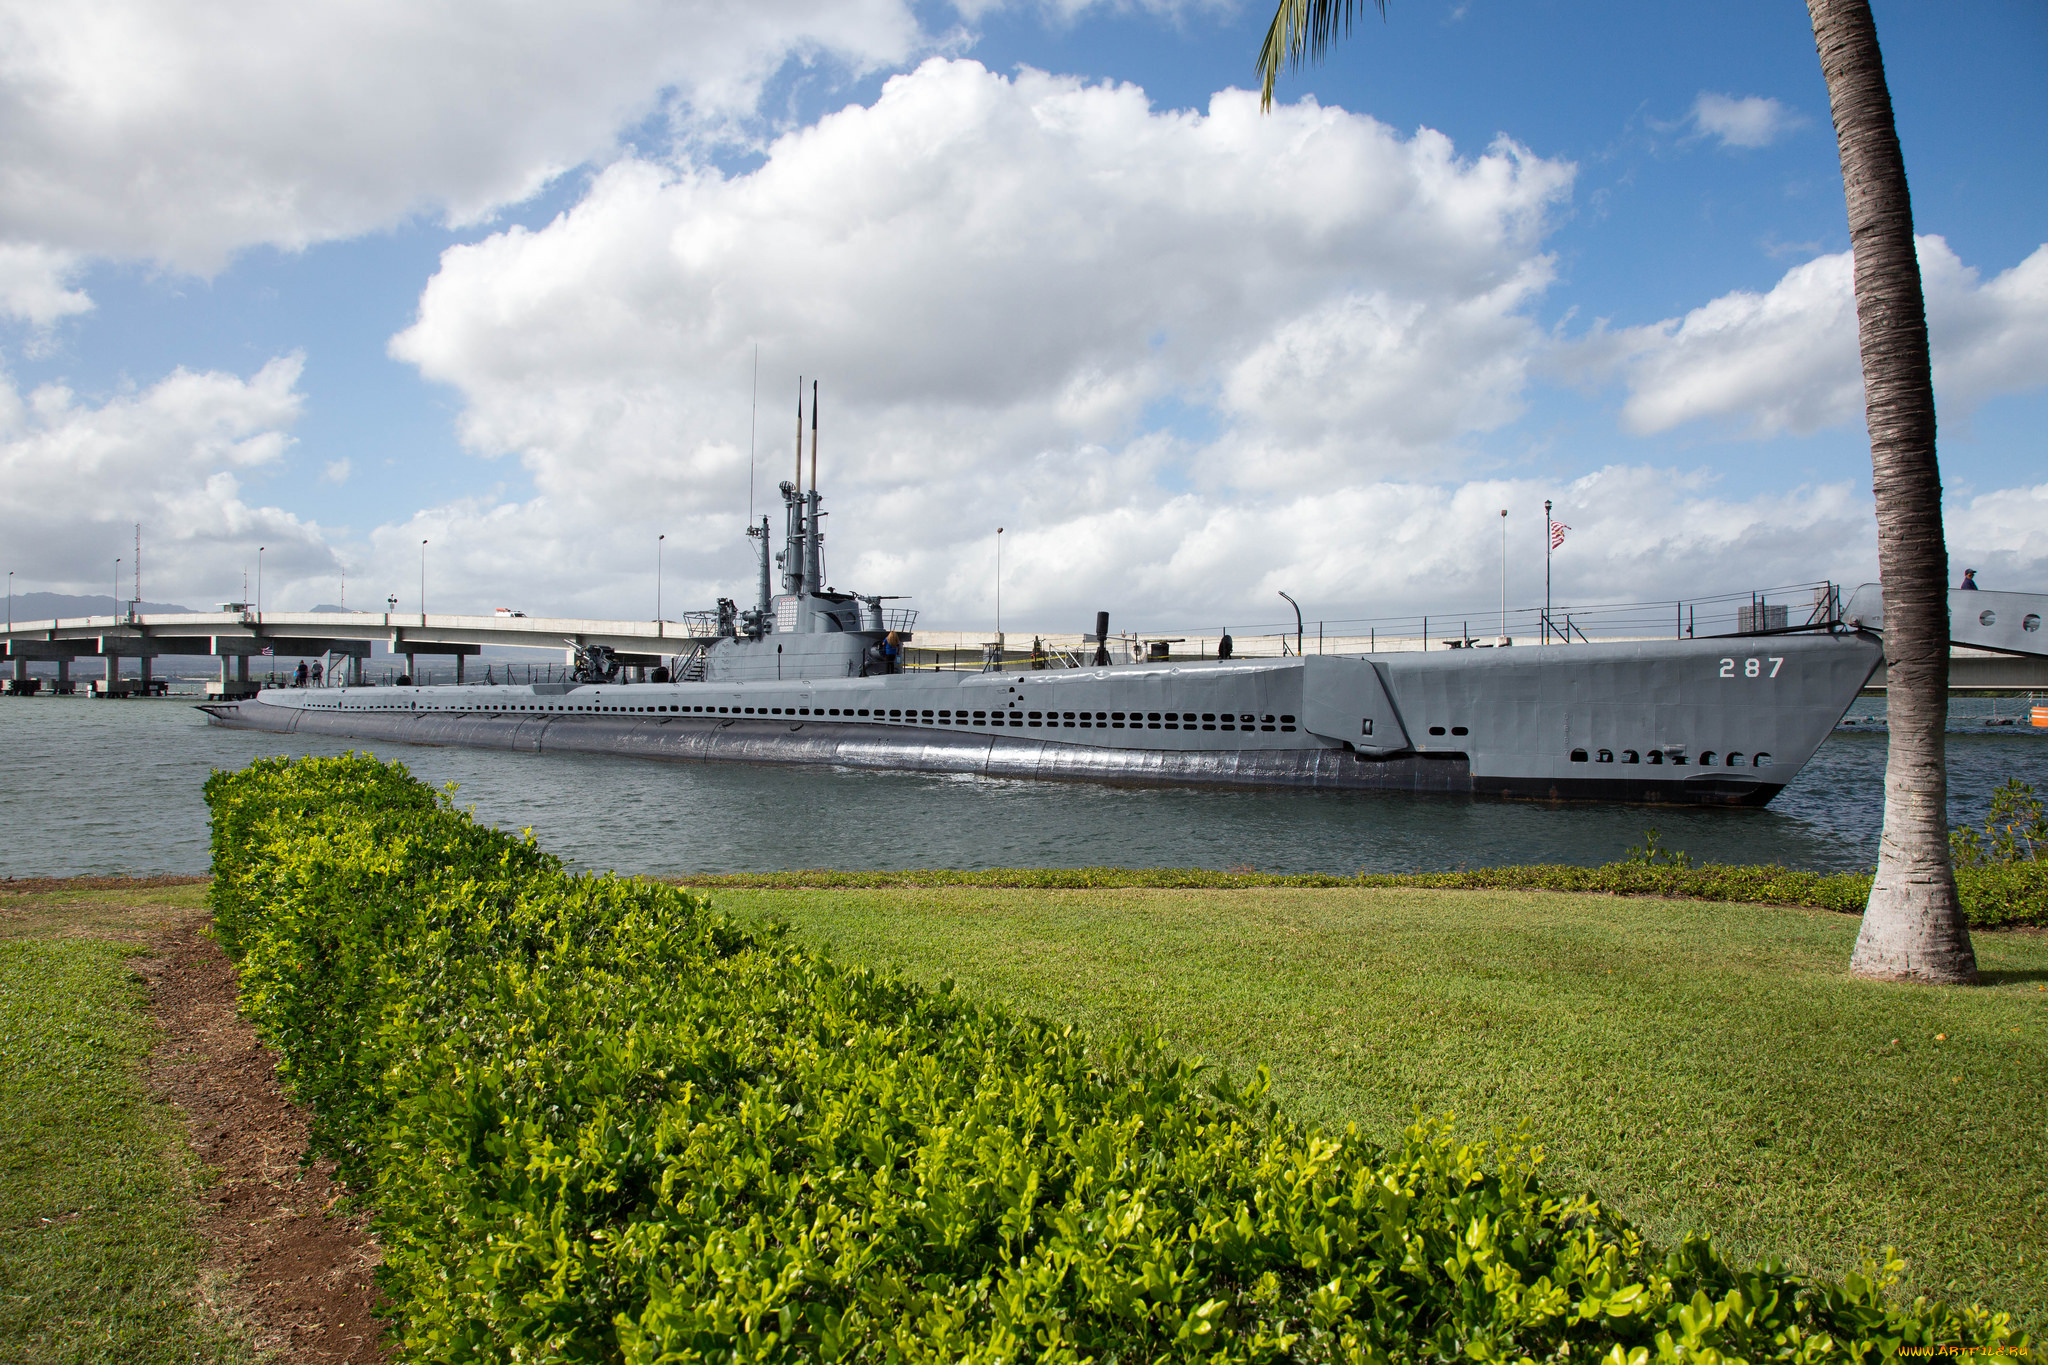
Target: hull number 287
{"x":1752,"y":668}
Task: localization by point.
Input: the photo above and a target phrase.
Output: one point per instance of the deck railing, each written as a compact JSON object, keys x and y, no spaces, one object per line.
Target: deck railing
{"x":1796,"y":606}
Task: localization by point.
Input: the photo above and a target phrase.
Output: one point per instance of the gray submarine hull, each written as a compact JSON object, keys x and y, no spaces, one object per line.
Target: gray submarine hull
{"x":1724,"y":722}
{"x":691,"y":739}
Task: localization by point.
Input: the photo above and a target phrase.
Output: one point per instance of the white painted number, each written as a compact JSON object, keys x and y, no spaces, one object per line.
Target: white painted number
{"x":1727,"y":668}
{"x":1751,"y":667}
{"x":1776,"y":664}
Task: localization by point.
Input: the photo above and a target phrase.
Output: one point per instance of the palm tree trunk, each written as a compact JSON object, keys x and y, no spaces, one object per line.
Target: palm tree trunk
{"x":1913,"y":926}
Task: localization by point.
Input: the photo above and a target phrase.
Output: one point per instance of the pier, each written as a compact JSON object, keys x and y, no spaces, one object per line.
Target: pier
{"x":1998,"y":643}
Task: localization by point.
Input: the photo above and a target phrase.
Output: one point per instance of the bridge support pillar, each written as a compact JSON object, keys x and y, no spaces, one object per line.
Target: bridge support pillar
{"x":113,"y":672}
{"x":143,"y":664}
{"x":242,"y":668}
{"x":458,"y":668}
{"x":21,"y":670}
{"x":63,"y":670}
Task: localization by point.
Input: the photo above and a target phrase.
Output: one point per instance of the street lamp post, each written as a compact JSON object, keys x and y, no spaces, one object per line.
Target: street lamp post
{"x":259,"y":582}
{"x":114,"y":662}
{"x":423,"y":583}
{"x":1297,"y":624}
{"x":999,"y":587}
{"x":657,"y":575}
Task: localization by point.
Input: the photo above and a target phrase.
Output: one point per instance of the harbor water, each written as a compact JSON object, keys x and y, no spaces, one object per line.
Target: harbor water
{"x":114,"y":787}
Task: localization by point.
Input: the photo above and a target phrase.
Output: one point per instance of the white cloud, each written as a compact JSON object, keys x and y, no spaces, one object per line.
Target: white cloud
{"x":1034,"y":301}
{"x":1368,"y":379}
{"x":337,"y":471}
{"x":35,"y":284}
{"x":1068,"y":12}
{"x":2003,"y":535}
{"x":75,"y":477}
{"x":1387,"y":548}
{"x":1787,"y":360}
{"x":181,"y":132}
{"x":1751,"y":121}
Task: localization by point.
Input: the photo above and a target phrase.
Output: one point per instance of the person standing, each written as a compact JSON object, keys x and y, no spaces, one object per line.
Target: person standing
{"x":1225,"y":645}
{"x":1969,"y":583}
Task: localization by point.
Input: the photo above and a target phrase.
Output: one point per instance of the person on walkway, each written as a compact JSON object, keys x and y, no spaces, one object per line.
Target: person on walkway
{"x":1969,"y":583}
{"x":299,"y":678}
{"x":317,"y":674}
{"x":1225,"y":645}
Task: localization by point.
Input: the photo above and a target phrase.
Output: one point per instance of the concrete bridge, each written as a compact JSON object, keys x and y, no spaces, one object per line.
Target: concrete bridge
{"x":236,"y":634}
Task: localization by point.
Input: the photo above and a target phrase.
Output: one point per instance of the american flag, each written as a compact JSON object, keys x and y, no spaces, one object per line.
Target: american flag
{"x":1557,"y":530}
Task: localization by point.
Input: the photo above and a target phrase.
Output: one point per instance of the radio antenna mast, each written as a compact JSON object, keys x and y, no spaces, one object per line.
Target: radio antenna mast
{"x":753,"y":420}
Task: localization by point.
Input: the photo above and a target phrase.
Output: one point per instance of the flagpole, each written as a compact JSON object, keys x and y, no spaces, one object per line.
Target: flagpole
{"x":1503,"y":575}
{"x":1547,"y":534}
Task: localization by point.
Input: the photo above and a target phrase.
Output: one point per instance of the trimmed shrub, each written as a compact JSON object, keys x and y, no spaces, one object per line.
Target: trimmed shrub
{"x":601,"y":1122}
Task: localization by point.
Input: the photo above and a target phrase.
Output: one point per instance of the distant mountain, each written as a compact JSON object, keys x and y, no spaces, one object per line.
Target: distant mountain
{"x":43,"y":606}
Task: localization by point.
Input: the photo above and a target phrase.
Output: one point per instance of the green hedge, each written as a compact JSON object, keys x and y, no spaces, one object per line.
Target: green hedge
{"x":1994,"y":895}
{"x":599,"y":1121}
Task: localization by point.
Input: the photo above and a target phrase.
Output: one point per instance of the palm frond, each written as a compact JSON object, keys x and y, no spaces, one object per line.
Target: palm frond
{"x":1304,"y":30}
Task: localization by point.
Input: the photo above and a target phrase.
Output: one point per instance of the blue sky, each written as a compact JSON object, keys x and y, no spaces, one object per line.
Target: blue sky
{"x":541,"y":464}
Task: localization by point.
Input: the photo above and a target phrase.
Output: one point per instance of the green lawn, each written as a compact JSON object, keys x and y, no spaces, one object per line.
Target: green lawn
{"x":1699,"y":1066}
{"x":98,"y":1258}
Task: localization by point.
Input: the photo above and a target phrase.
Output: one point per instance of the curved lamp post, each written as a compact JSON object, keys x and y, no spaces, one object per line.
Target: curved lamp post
{"x":1297,"y":624}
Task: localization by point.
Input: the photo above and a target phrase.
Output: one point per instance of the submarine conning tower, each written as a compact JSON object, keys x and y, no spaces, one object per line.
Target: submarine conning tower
{"x":807,"y":630}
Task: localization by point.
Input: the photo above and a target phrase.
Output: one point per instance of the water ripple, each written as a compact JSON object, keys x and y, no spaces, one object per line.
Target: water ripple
{"x":114,"y":787}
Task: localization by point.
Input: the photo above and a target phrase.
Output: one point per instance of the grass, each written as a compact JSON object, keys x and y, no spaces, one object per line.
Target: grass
{"x":1992,"y":895}
{"x":1700,"y":1066}
{"x":99,"y":1260}
{"x":120,"y":914}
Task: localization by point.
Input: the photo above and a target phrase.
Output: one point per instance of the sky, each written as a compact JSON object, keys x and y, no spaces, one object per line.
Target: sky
{"x":535,"y":285}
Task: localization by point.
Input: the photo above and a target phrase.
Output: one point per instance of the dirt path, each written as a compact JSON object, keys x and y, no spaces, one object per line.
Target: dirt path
{"x":300,"y":1275}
